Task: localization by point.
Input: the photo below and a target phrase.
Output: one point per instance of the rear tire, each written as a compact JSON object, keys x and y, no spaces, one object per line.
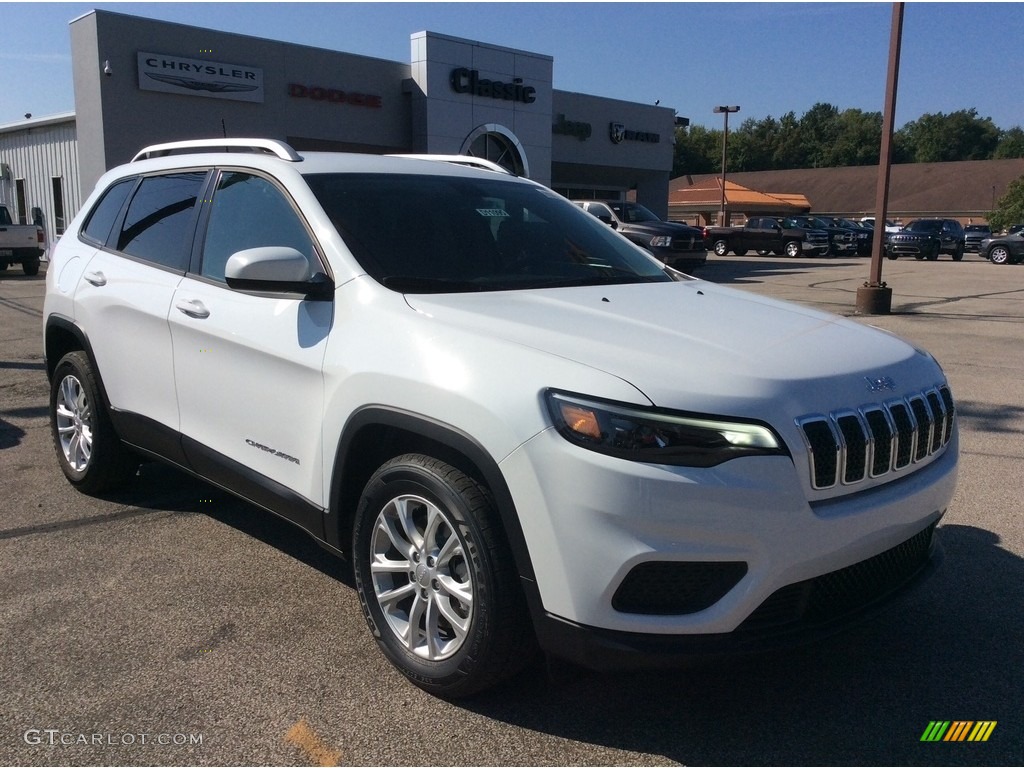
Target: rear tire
{"x":91,"y":455}
{"x":958,"y":255}
{"x":721,"y":247}
{"x":436,"y":579}
{"x":31,"y":267}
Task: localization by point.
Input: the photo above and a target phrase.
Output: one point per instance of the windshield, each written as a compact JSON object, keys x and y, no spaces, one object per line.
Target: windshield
{"x":799,"y":222}
{"x":447,"y":234}
{"x":632,"y":213}
{"x":924,"y":225}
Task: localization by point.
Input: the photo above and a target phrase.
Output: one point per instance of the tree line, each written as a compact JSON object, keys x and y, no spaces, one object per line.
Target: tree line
{"x":826,"y":137}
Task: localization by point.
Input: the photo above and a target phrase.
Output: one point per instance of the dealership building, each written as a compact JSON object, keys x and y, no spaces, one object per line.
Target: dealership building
{"x":139,"y":82}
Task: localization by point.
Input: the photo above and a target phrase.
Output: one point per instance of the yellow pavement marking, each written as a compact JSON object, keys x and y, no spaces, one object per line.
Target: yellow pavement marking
{"x":303,"y":737}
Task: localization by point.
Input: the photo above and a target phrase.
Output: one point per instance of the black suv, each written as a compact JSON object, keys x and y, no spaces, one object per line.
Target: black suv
{"x":926,"y":239}
{"x":974,"y":234}
{"x":678,"y":245}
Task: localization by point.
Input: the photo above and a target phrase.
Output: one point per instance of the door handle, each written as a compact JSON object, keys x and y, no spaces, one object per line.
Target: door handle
{"x":96,"y":278}
{"x":193,"y":308}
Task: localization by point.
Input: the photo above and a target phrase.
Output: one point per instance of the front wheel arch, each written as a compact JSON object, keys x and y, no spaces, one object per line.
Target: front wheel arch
{"x":375,"y":434}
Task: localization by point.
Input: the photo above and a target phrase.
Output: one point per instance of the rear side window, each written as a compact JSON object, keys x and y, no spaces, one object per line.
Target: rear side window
{"x":101,"y":220}
{"x":160,"y":219}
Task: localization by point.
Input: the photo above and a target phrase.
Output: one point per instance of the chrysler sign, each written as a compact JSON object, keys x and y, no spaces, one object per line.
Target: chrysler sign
{"x":199,"y":77}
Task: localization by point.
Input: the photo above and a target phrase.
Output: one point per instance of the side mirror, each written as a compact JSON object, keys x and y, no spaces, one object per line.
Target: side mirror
{"x":276,"y":269}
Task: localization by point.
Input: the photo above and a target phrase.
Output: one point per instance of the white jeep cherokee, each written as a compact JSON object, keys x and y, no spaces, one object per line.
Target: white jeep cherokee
{"x":518,"y":426}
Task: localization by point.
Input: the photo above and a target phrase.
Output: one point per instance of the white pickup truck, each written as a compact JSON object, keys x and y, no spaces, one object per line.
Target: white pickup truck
{"x":20,"y":243}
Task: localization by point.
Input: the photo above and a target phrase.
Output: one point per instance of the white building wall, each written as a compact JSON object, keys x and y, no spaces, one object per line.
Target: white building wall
{"x":37,"y":152}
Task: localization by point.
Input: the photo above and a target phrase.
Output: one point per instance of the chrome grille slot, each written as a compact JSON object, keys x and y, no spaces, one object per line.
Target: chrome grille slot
{"x":849,"y":446}
{"x":923,"y":417}
{"x":882,"y":436}
{"x":855,"y":453}
{"x":905,"y":434}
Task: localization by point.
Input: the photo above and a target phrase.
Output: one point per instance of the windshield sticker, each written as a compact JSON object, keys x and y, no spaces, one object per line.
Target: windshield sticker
{"x":493,"y":213}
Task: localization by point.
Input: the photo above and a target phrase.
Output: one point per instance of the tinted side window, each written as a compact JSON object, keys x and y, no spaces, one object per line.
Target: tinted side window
{"x":250,"y":212}
{"x":159,"y":220}
{"x":97,"y":228}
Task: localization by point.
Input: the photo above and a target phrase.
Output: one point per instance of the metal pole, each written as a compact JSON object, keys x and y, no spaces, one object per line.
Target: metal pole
{"x":875,"y":297}
{"x":725,"y":143}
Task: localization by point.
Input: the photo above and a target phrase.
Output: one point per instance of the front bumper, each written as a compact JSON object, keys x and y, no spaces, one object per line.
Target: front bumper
{"x":591,"y":520}
{"x":602,"y":649}
{"x":682,"y":260}
{"x":912,"y":247}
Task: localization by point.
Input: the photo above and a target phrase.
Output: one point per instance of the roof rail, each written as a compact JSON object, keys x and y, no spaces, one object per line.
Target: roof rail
{"x":271,"y":146}
{"x":467,"y":160}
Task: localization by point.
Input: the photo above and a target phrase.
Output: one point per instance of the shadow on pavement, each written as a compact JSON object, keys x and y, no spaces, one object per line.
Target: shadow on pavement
{"x":953,"y":651}
{"x":735,"y":269}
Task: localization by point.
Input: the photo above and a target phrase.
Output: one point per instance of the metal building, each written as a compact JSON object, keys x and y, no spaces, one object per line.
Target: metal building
{"x":39,"y":180}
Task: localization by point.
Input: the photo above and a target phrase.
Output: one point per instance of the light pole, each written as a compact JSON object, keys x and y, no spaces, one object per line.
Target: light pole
{"x":725,"y":143}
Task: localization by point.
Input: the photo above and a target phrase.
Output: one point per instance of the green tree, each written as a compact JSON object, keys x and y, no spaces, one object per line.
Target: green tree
{"x":819,"y":130}
{"x":943,"y":138}
{"x":1009,"y":208}
{"x":1011,"y":144}
{"x":858,"y":140}
{"x":697,"y":150}
{"x":754,"y":145}
{"x":789,"y":149}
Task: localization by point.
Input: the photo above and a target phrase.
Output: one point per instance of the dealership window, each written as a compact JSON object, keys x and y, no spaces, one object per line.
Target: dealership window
{"x":58,"y":205}
{"x":499,"y":145}
{"x":19,"y":191}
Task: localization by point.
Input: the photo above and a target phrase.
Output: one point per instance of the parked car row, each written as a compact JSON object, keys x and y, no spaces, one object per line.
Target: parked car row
{"x":684,"y":247}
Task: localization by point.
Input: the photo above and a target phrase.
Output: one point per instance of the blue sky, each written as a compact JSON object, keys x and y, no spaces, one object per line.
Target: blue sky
{"x":770,"y":58}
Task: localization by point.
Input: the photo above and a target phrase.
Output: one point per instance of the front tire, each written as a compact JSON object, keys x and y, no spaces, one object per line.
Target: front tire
{"x":958,"y":254}
{"x":91,"y":455}
{"x":436,"y":579}
{"x":999,"y":255}
{"x":793,"y":249}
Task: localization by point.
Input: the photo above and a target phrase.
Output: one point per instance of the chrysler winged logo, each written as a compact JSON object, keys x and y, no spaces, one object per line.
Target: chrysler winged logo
{"x":878,"y":384}
{"x":617,"y":132}
{"x":199,"y":85}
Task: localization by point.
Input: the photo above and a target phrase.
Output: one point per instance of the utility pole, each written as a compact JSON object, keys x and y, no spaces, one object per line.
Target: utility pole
{"x":875,"y":297}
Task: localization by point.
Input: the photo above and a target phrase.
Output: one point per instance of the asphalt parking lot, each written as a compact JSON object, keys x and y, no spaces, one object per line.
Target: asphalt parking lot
{"x":171,"y":624}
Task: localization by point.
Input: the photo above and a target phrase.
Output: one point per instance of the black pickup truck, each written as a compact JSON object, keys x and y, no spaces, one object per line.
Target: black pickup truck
{"x":768,"y":234}
{"x":677,"y":245}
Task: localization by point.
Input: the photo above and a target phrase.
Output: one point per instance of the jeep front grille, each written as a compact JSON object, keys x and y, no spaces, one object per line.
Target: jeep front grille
{"x":851,"y":446}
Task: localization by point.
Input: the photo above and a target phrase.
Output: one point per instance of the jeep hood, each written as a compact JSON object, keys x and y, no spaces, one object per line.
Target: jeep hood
{"x":697,"y":346}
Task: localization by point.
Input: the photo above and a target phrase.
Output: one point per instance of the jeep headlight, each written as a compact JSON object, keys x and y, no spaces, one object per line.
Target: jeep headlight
{"x":657,"y":436}
{"x":661,"y":241}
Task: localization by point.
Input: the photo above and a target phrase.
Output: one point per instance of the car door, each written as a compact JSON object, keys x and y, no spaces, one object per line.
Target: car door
{"x":760,"y":233}
{"x":124,"y":296}
{"x":247,"y":366}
